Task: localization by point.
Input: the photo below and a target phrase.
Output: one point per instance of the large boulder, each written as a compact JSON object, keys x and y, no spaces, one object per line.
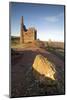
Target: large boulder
{"x":44,"y":70}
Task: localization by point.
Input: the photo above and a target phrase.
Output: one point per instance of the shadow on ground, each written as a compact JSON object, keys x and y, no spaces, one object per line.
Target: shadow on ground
{"x":23,"y":81}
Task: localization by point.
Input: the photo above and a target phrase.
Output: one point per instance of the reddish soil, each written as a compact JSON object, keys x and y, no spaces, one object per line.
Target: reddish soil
{"x":23,"y":82}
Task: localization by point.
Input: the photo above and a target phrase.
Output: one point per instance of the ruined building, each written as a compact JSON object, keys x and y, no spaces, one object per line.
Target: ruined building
{"x":27,"y":35}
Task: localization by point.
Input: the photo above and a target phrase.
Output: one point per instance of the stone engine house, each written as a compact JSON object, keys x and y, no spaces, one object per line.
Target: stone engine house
{"x":27,"y":35}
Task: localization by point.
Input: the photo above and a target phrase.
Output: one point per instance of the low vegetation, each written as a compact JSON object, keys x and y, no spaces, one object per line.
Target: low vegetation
{"x":56,"y":48}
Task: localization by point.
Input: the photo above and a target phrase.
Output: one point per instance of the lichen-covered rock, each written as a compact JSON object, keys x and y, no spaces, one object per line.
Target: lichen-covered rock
{"x":43,"y":69}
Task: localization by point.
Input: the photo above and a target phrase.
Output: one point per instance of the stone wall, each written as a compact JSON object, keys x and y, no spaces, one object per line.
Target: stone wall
{"x":27,"y":35}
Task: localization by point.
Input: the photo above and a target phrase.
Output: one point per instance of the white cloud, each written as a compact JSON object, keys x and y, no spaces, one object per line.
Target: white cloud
{"x":53,"y":18}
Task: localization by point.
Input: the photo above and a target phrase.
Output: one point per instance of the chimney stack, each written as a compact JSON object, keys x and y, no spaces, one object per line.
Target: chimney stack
{"x":22,"y":30}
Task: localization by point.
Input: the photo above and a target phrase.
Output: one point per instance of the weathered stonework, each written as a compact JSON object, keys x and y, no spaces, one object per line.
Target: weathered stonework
{"x":27,"y":35}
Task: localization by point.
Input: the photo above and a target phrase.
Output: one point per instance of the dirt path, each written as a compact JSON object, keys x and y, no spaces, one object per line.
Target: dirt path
{"x":30,"y":53}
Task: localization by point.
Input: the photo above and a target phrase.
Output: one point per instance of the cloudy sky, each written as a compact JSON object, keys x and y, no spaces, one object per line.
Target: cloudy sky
{"x":47,"y":19}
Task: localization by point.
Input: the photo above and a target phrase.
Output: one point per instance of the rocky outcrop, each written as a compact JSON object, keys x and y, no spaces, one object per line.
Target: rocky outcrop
{"x":43,"y":69}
